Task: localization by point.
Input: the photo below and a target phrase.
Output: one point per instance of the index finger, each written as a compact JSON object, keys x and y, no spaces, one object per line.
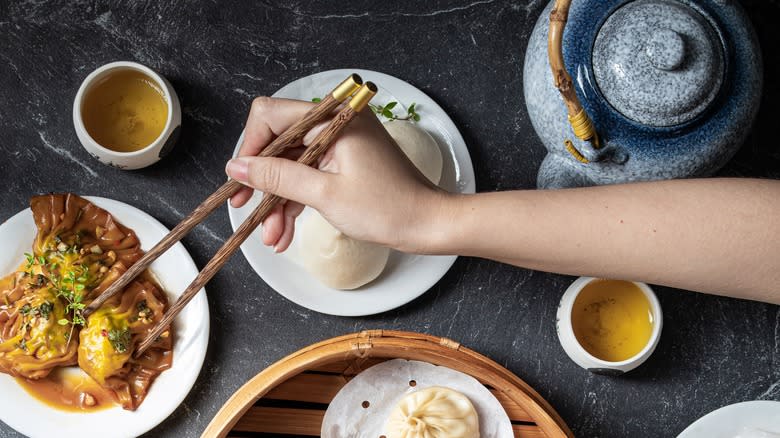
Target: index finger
{"x":268,"y":118}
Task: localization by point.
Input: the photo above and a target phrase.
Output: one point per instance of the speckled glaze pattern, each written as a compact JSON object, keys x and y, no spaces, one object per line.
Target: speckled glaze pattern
{"x":633,"y":151}
{"x":665,"y":49}
{"x":658,"y":62}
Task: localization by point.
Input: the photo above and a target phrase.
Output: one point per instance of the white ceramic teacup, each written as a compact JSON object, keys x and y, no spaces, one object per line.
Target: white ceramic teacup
{"x":149,"y":154}
{"x":577,"y":352}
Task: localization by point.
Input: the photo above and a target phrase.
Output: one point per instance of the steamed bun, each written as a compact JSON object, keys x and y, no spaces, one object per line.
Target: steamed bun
{"x":434,"y":412}
{"x":419,"y":146}
{"x":335,"y":259}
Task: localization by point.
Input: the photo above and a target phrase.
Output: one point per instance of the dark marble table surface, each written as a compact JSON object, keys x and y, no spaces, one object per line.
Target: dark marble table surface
{"x":468,"y":56}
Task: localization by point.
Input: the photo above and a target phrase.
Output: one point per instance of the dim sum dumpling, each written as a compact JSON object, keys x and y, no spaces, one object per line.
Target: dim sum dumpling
{"x":337,"y":260}
{"x":419,"y":146}
{"x":434,"y":412}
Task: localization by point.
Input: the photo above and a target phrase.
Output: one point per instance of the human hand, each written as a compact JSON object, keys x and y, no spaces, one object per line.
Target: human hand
{"x":365,"y":185}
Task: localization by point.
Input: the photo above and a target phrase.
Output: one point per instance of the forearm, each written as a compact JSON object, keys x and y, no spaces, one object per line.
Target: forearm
{"x":711,"y":235}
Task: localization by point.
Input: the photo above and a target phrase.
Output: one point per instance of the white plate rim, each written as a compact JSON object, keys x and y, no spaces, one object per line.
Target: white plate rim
{"x":465,"y":182}
{"x":733,"y":415}
{"x":18,"y":406}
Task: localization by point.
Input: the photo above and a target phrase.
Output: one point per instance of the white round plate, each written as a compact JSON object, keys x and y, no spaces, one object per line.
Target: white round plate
{"x":174,"y":270}
{"x":406,"y":276}
{"x":746,"y":419}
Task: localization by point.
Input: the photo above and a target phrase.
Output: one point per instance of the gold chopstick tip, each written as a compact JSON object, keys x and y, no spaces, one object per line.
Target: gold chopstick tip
{"x":363,"y":96}
{"x":347,"y":87}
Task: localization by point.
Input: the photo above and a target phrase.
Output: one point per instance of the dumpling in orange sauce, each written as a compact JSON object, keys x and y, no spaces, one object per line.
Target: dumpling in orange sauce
{"x":79,"y":251}
{"x":114,"y":331}
{"x":31,"y":340}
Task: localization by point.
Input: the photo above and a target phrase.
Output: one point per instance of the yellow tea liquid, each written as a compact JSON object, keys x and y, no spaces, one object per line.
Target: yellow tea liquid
{"x":125,"y":112}
{"x":612,"y":319}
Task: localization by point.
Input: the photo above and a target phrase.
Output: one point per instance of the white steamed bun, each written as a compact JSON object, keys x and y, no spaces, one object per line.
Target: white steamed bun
{"x":335,"y":259}
{"x":419,"y":146}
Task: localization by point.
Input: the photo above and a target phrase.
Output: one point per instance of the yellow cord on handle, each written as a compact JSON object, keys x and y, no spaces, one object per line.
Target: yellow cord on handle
{"x":580,"y":122}
{"x":574,"y":152}
{"x":584,"y":130}
{"x":583,"y":127}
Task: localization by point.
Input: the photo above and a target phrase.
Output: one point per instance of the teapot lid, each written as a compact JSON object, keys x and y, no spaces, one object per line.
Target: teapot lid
{"x":658,"y":62}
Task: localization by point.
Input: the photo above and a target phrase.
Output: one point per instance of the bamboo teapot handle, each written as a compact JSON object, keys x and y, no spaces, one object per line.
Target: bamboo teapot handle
{"x":579,"y":119}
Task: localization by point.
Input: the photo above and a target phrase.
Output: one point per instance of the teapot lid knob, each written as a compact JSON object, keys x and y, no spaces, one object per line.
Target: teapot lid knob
{"x":659,"y":62}
{"x":665,"y":49}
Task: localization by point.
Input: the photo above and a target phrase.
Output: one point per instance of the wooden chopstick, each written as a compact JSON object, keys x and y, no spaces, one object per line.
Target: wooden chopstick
{"x":287,"y":139}
{"x":313,"y":152}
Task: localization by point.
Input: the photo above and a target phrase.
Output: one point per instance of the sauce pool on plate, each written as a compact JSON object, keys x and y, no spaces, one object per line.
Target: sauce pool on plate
{"x":612,"y":319}
{"x":69,"y":389}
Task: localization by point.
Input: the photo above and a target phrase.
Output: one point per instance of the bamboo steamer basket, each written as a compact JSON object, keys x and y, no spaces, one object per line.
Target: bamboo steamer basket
{"x":290,"y":397}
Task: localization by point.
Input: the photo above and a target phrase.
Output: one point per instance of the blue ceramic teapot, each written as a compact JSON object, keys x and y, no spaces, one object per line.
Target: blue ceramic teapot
{"x":633,"y":90}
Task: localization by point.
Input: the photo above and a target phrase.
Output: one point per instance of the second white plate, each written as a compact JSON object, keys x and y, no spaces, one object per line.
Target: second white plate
{"x":406,"y":276}
{"x":758,"y":418}
{"x":174,"y":270}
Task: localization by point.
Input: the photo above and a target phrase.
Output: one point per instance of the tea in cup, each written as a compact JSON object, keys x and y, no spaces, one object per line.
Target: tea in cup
{"x":609,"y":326}
{"x":126,"y":115}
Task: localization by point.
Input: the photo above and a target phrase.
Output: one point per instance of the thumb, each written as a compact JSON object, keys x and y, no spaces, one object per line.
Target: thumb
{"x":280,"y":176}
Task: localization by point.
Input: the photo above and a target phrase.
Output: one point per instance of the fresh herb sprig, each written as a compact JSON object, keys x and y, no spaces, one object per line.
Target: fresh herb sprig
{"x":33,"y":260}
{"x":386,"y":110}
{"x":119,"y":339}
{"x":71,"y":289}
{"x":43,"y":310}
{"x":68,"y":285}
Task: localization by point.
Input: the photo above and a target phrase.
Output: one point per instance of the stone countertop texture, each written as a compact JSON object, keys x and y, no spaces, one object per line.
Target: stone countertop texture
{"x":468,"y":56}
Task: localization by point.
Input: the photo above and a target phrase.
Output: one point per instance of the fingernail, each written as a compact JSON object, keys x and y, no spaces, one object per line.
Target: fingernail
{"x":238,"y":168}
{"x":276,"y":248}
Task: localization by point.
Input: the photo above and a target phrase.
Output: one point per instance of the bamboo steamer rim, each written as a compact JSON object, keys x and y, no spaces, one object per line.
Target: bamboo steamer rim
{"x":389,"y":344}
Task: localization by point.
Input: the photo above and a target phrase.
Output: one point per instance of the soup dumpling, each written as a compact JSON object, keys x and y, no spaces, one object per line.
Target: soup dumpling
{"x":434,"y":412}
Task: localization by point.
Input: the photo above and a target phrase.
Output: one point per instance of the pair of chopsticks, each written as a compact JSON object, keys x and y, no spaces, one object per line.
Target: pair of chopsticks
{"x":352,"y":86}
